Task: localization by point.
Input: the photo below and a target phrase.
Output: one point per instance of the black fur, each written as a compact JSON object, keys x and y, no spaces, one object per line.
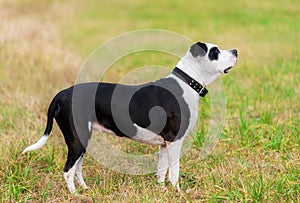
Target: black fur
{"x":74,"y":107}
{"x":198,"y":49}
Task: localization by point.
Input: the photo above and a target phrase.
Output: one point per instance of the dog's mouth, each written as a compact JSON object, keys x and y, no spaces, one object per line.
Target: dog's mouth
{"x":227,"y":70}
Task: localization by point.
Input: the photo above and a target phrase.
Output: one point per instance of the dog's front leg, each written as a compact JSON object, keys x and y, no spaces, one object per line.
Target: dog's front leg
{"x":163,"y":164}
{"x":173,"y":150}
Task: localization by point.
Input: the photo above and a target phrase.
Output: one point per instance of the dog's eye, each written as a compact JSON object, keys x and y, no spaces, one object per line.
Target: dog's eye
{"x":214,"y":53}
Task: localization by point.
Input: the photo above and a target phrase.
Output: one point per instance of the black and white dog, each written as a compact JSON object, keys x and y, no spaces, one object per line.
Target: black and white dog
{"x":159,"y":113}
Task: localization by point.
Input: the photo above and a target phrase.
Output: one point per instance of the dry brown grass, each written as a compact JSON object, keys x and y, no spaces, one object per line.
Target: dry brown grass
{"x":257,"y":158}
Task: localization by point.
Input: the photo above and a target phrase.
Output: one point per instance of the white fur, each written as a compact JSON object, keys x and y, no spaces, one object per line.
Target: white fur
{"x":78,"y":174}
{"x":146,"y":136}
{"x":37,"y":145}
{"x":163,"y":164}
{"x":69,"y":177}
{"x":173,"y":151}
{"x":169,"y":156}
{"x":202,"y":69}
{"x":90,"y":126}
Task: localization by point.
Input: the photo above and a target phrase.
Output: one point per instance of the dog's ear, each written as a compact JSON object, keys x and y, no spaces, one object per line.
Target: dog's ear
{"x":198,"y":49}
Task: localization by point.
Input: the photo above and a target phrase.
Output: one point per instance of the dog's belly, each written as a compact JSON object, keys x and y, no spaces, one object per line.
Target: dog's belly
{"x":143,"y":135}
{"x":98,"y":127}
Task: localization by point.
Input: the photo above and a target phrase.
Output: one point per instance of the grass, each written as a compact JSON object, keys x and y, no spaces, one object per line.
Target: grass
{"x":43,"y":43}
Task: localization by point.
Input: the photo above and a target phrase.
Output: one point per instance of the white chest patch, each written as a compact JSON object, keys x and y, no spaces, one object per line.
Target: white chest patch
{"x":191,"y":97}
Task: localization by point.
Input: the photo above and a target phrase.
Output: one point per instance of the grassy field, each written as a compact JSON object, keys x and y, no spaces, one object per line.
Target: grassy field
{"x":257,"y":159}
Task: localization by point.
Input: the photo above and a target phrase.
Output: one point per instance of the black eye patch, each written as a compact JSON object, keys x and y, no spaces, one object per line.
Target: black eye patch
{"x":213,"y":53}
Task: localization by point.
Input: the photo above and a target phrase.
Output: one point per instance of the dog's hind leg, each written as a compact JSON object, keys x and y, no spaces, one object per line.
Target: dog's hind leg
{"x":78,"y":173}
{"x":76,"y":148}
{"x":74,"y":161}
{"x":73,"y":166}
{"x":69,"y":176}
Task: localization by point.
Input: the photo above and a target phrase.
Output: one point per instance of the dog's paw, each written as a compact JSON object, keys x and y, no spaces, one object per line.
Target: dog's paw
{"x":161,"y":185}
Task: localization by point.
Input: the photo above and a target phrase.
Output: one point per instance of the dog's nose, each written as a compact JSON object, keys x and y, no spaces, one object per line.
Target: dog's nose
{"x":234,"y":52}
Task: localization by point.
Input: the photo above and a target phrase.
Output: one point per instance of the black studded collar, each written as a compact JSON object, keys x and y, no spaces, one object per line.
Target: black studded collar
{"x":201,"y":90}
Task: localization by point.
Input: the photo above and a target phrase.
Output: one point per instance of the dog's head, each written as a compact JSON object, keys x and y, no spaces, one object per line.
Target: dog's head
{"x":211,"y":56}
{"x":208,"y":61}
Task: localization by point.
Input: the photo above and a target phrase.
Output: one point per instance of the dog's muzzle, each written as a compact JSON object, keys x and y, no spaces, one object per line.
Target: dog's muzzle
{"x":234,"y":53}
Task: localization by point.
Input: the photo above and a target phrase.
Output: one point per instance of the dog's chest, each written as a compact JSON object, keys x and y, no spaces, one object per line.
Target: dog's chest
{"x":191,"y":97}
{"x":165,"y":126}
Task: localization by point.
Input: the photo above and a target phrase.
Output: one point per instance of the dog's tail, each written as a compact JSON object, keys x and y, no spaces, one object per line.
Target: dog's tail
{"x":52,"y":110}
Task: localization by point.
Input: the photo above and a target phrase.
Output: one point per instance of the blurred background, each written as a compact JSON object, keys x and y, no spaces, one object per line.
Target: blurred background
{"x":44,"y":43}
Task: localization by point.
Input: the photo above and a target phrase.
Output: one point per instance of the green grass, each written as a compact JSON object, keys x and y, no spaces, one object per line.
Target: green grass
{"x":257,"y":159}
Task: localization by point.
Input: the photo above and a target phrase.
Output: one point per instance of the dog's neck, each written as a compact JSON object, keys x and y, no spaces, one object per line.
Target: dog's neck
{"x":201,"y":90}
{"x":194,"y":71}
